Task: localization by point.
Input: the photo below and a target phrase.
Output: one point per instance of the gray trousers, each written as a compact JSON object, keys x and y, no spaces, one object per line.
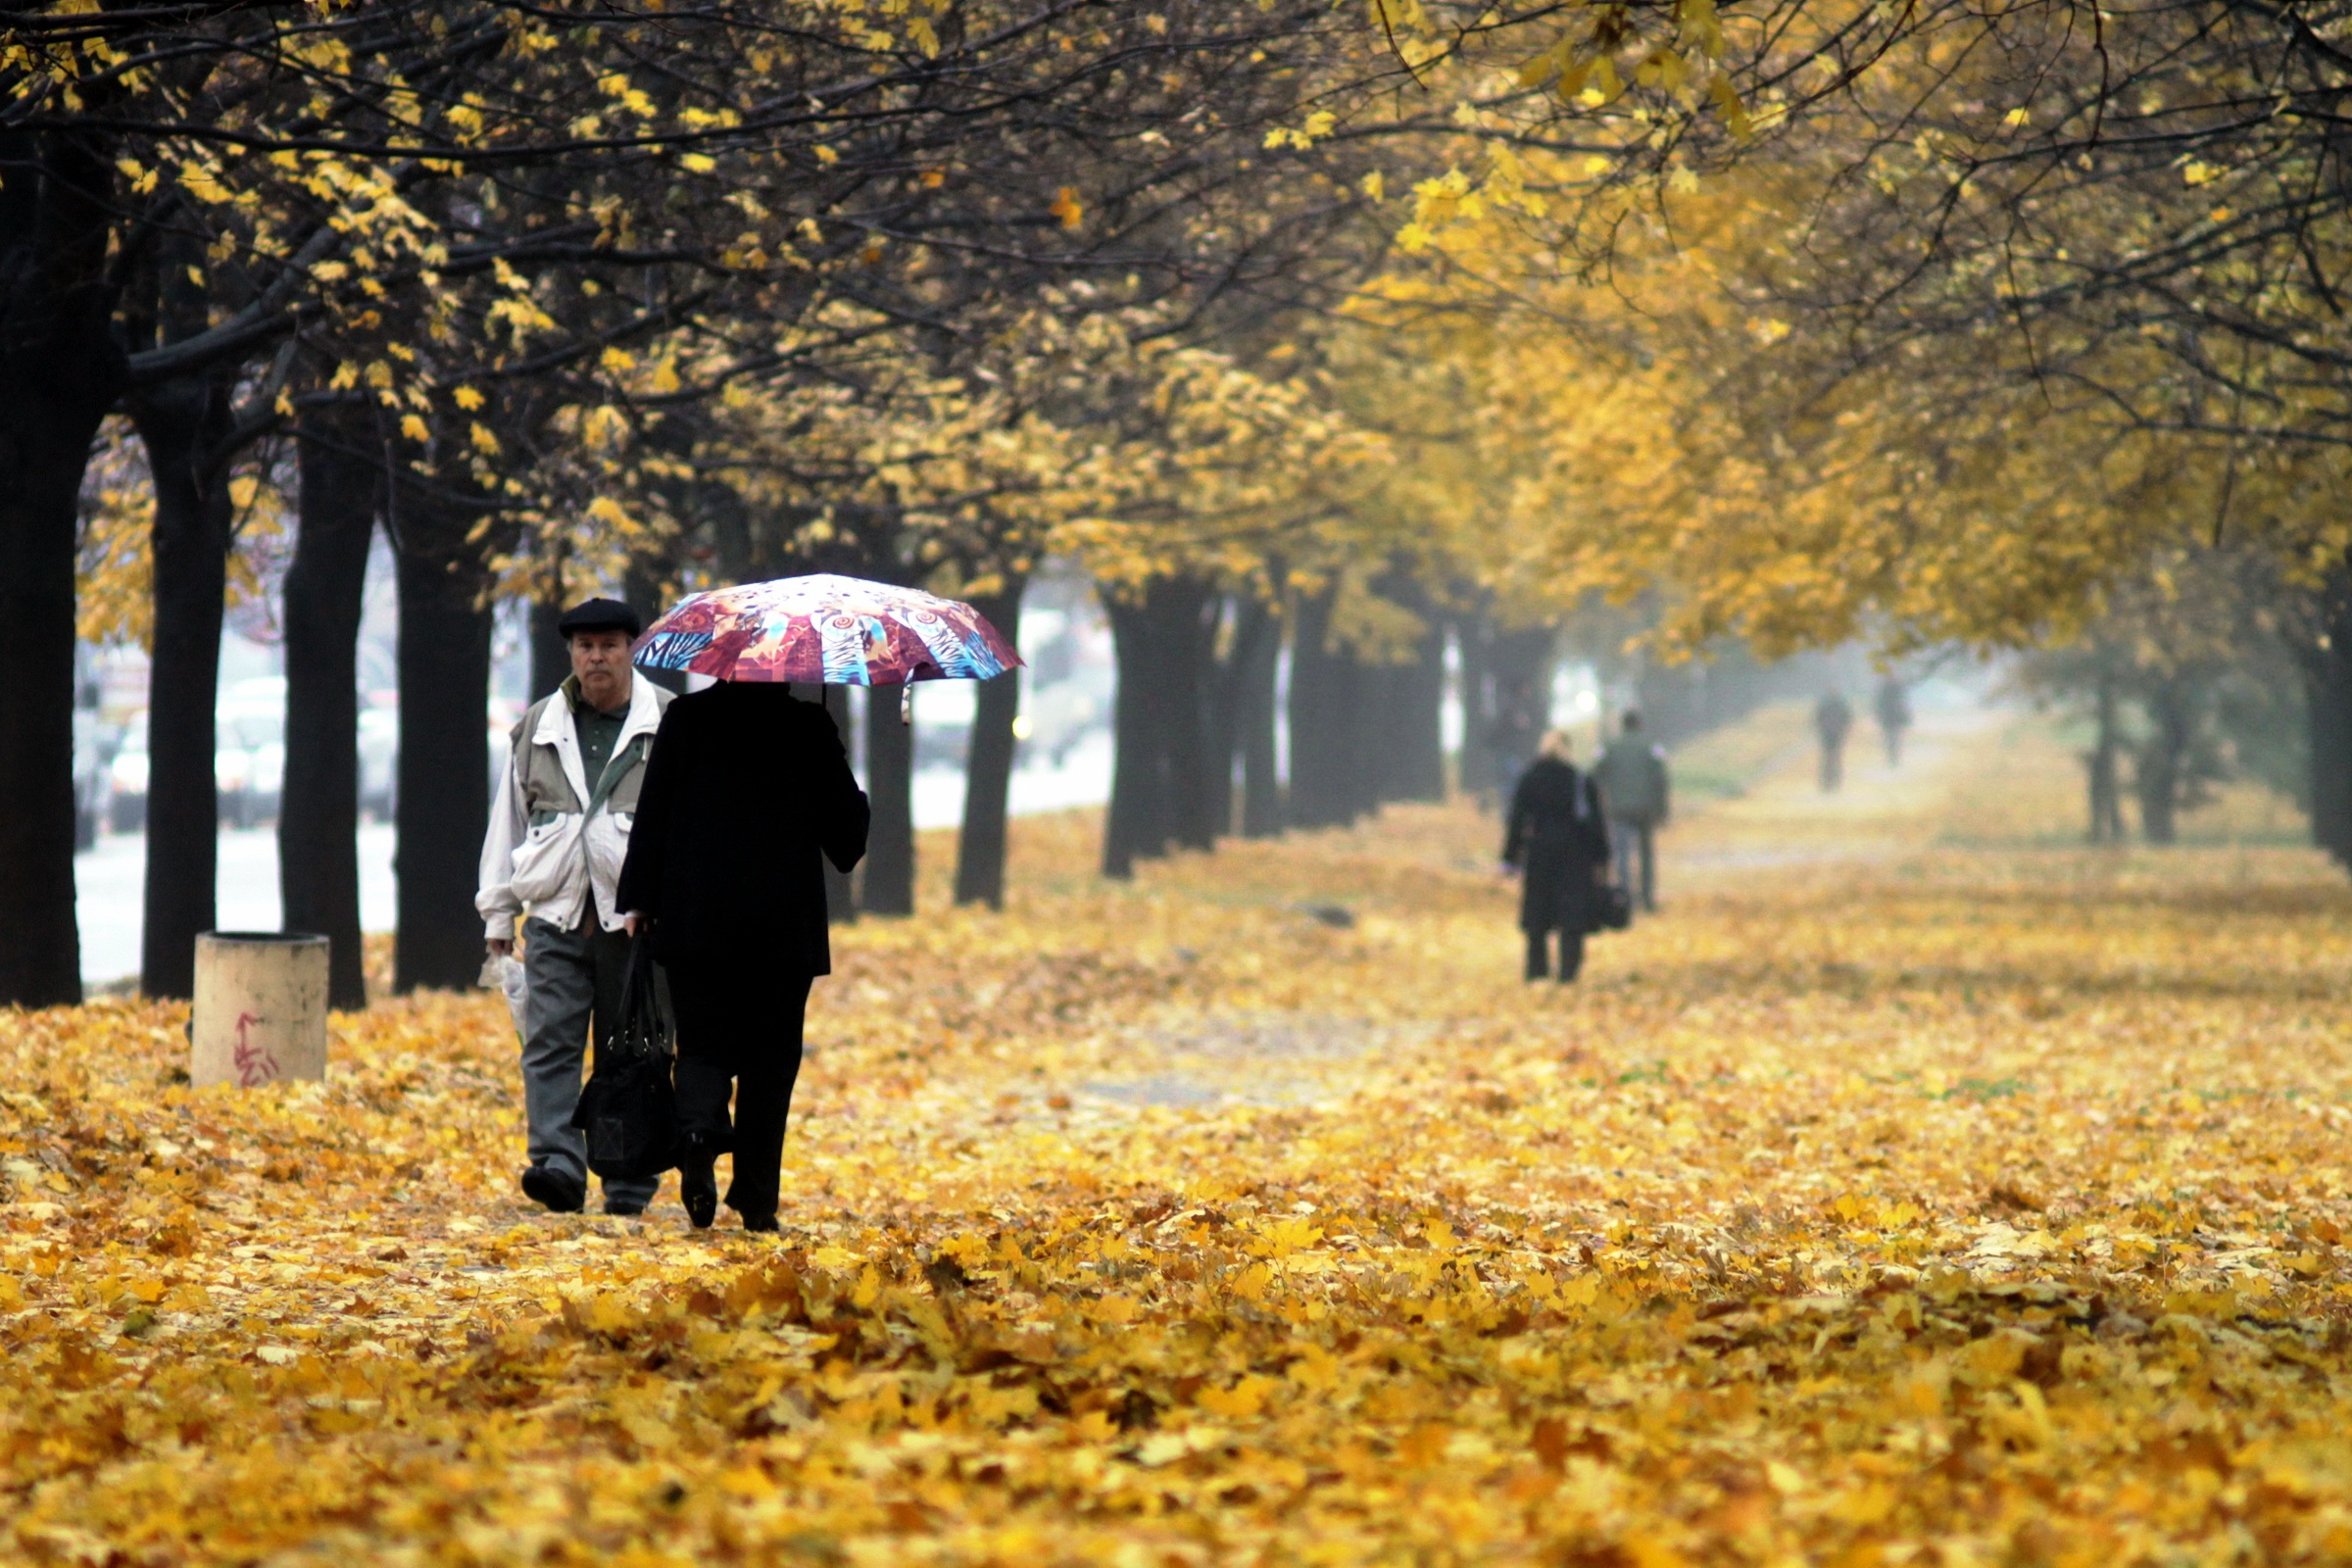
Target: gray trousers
{"x":572,"y":977}
{"x":1634,"y":847}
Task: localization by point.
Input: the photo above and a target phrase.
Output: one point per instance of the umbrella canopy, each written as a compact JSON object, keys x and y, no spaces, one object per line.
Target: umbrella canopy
{"x":837,"y":631}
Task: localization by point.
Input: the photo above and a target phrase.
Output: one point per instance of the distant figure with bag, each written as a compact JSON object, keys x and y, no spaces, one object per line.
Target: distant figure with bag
{"x":559,"y":830}
{"x":1634,"y":782}
{"x":749,"y":785}
{"x":1558,"y":844}
{"x":1832,"y":718}
{"x":1894,"y":717}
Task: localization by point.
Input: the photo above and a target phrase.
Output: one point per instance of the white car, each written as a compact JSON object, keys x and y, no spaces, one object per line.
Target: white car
{"x":249,"y":749}
{"x":126,"y":778}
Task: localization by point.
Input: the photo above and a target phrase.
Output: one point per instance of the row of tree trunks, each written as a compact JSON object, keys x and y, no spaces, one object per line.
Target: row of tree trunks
{"x":1257,"y":671}
{"x":1507,"y":701}
{"x":325,"y":590}
{"x":1196,"y":717}
{"x":1163,"y":639}
{"x":60,"y":371}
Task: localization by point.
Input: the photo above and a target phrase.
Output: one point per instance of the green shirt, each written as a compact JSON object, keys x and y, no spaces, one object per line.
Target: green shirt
{"x":600,"y":732}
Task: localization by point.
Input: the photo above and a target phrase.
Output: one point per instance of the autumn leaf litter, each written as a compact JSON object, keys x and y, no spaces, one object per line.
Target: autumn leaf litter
{"x":1959,"y":1204}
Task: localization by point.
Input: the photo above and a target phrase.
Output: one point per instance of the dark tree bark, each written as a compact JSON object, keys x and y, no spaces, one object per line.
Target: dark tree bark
{"x":2159,"y":766}
{"x":1162,"y":639}
{"x":1196,"y":743}
{"x":326,"y":591}
{"x":988,"y":766}
{"x":185,"y":426}
{"x":2326,"y":660}
{"x":1413,"y":745}
{"x":551,"y":658}
{"x":445,"y":624}
{"x":1325,"y":698}
{"x":1256,"y":664}
{"x":841,"y":894}
{"x":2099,"y":763}
{"x":889,"y":872}
{"x":1136,"y":825}
{"x":60,"y":371}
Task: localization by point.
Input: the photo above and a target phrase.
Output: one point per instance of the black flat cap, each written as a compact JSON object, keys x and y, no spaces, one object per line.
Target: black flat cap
{"x":600,"y":614}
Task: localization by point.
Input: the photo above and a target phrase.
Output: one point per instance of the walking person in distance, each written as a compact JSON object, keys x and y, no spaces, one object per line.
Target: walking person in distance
{"x":750,"y":786}
{"x":1633,"y":779}
{"x":559,"y":829}
{"x":1895,"y":717}
{"x":1559,"y":845}
{"x":1832,"y":718}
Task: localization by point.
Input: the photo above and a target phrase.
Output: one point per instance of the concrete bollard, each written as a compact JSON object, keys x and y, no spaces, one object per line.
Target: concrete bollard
{"x":260,"y":1008}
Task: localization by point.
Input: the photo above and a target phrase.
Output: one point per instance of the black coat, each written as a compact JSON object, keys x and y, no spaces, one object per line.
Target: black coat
{"x":1557,"y":841}
{"x":747,"y":786}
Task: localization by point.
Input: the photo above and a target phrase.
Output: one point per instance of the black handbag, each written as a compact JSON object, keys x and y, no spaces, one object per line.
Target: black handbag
{"x":1616,"y":907}
{"x":629,"y":1108}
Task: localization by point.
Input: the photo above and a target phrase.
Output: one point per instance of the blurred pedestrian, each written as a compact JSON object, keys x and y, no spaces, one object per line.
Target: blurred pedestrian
{"x":1832,"y":718}
{"x":1633,"y":779}
{"x":1895,"y":717}
{"x":1557,"y":843}
{"x":559,"y":830}
{"x":750,"y":786}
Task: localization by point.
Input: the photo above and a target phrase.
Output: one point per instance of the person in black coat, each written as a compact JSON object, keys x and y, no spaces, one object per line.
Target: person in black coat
{"x":747,"y":787}
{"x":1558,"y":842}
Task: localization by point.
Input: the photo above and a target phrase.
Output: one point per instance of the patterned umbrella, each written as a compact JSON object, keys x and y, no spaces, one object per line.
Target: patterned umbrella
{"x":838,"y":631}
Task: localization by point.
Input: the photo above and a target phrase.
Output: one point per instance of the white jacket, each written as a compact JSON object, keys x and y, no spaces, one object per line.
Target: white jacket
{"x":548,"y":870}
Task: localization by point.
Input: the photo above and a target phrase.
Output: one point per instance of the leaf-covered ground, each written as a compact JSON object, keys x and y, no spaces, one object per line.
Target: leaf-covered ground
{"x":1916,"y":1188}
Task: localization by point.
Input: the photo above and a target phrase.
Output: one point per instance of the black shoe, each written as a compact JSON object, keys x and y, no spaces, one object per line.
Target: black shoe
{"x":698,"y":1185}
{"x":624,"y":1207}
{"x":758,"y":1222}
{"x":554,"y":1188}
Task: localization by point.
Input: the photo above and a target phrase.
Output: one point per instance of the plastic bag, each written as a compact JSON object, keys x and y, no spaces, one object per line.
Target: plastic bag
{"x":504,"y":972}
{"x":629,"y":1108}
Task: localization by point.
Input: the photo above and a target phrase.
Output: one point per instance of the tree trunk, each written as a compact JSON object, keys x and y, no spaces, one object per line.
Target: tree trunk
{"x":1257,"y":663}
{"x":889,"y":872}
{"x":1196,"y":739}
{"x":988,"y":766}
{"x":2106,"y":790}
{"x":1412,"y":721}
{"x":841,"y":894}
{"x":444,"y":786}
{"x":2157,"y":768}
{"x":60,"y":371}
{"x":550,"y":657}
{"x":2327,"y":663}
{"x":319,"y":816}
{"x":1136,"y":825}
{"x":1323,"y":711}
{"x":1157,"y":798}
{"x":185,"y":424}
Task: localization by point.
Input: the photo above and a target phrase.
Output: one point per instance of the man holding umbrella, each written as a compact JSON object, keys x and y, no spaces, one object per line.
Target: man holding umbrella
{"x":559,"y":829}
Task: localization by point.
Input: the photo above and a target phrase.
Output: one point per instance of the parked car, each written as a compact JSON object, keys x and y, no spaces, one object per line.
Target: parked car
{"x":380,"y":762}
{"x":93,"y":744}
{"x":126,"y":778}
{"x":249,"y":749}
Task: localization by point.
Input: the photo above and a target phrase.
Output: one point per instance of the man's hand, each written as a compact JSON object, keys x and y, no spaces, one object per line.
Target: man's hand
{"x":632,"y":922}
{"x":499,"y":947}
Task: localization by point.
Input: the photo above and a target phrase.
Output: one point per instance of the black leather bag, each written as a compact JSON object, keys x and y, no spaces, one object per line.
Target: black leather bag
{"x":1616,"y":907}
{"x":629,"y":1108}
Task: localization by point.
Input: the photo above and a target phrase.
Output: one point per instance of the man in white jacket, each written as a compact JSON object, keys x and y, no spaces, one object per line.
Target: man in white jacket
{"x":559,"y":832}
